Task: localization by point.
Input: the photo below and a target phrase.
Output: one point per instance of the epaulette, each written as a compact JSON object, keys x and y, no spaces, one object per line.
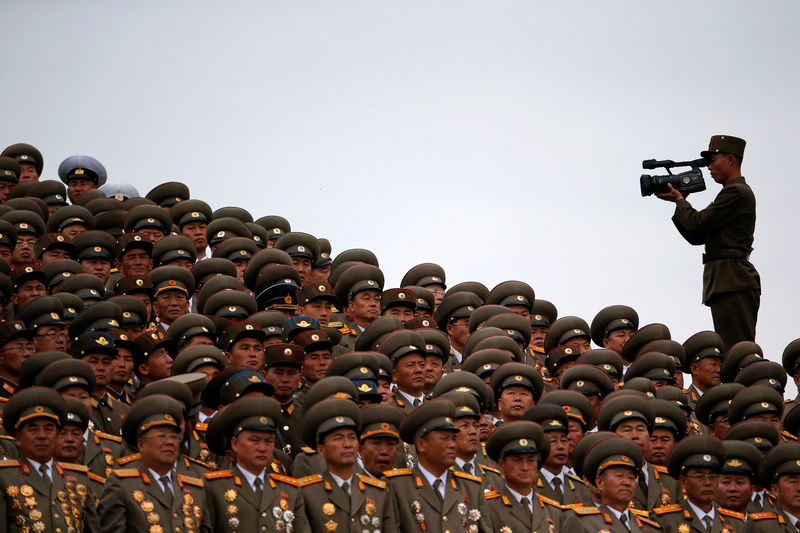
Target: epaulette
{"x":9,"y":462}
{"x":187,"y":460}
{"x":289,"y":480}
{"x":308,"y":451}
{"x":95,"y":477}
{"x":470,"y":477}
{"x":491,"y":494}
{"x":788,"y":435}
{"x":309,"y":480}
{"x":201,"y":426}
{"x":108,"y":436}
{"x":129,"y":458}
{"x":693,"y":395}
{"x":585,"y":511}
{"x":664,"y":509}
{"x":372,"y":481}
{"x":761,"y":516}
{"x":638,"y":512}
{"x":189,"y":480}
{"x":217,"y":474}
{"x":8,"y":437}
{"x":548,"y":501}
{"x":787,"y":400}
{"x":733,"y":514}
{"x":651,"y":523}
{"x":575,"y":478}
{"x":73,"y":466}
{"x":126,"y":472}
{"x":398,"y":472}
{"x":661,"y":469}
{"x":336,"y":324}
{"x":490,"y":468}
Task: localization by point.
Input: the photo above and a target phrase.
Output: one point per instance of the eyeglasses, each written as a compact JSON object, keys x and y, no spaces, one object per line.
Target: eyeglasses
{"x":52,"y":333}
{"x":712,"y":476}
{"x":29,"y":347}
{"x":169,"y":437}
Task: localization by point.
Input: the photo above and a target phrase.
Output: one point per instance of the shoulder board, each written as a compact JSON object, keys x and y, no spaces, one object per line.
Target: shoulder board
{"x":188,"y":459}
{"x":309,"y":480}
{"x":95,"y":477}
{"x":491,"y":494}
{"x":575,"y":478}
{"x":374,"y":482}
{"x":583,"y":511}
{"x":661,"y":469}
{"x":108,"y":436}
{"x":201,"y":426}
{"x":788,"y":435}
{"x":217,"y":474}
{"x":638,"y":512}
{"x":787,"y":400}
{"x":126,"y":472}
{"x":470,"y":477}
{"x":7,"y":437}
{"x":664,"y":509}
{"x":74,"y":467}
{"x":9,"y":462}
{"x":308,"y":451}
{"x":651,"y":523}
{"x":189,"y":480}
{"x":289,"y":480}
{"x":129,"y":458}
{"x":761,"y":516}
{"x":490,"y":468}
{"x":572,"y":505}
{"x":548,"y":501}
{"x":733,"y":514}
{"x":398,"y":472}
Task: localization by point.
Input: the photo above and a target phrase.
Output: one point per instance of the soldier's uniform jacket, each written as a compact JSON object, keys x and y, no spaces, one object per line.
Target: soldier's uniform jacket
{"x":663,"y":489}
{"x":398,"y":400}
{"x":197,"y":447}
{"x":107,"y":414}
{"x":367,"y":508}
{"x":349,"y":336}
{"x":232,"y":505}
{"x":8,"y":447}
{"x":418,"y":507}
{"x":133,"y":501}
{"x":101,"y":452}
{"x":29,"y":503}
{"x":594,"y":519}
{"x":773,"y":522}
{"x":505,"y":513}
{"x":185,"y":465}
{"x":768,"y":506}
{"x":679,"y":518}
{"x":574,"y":491}
{"x":492,"y":478}
{"x":290,"y":424}
{"x":726,"y":224}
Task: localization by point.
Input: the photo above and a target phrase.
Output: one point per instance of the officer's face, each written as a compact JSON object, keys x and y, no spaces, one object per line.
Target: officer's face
{"x":76,"y":187}
{"x":5,"y":189}
{"x":513,"y":402}
{"x":5,"y":253}
{"x":49,"y":338}
{"x":158,"y":365}
{"x":521,"y":310}
{"x":662,"y":441}
{"x":705,"y":372}
{"x":720,"y":426}
{"x":73,"y":230}
{"x":617,"y":339}
{"x":159,"y":447}
{"x":48,"y":256}
{"x":15,"y":352}
{"x":520,"y":471}
{"x":122,"y":367}
{"x":458,"y":331}
{"x":385,"y":388}
{"x":23,"y":251}
{"x":617,"y":486}
{"x":467,"y":439}
{"x":135,"y":262}
{"x":538,"y":334}
{"x":365,"y":306}
{"x":734,"y":491}
{"x":101,"y":365}
{"x":409,"y":373}
{"x":485,"y":428}
{"x":285,"y":379}
{"x":69,"y":443}
{"x":196,"y":232}
{"x":403,"y":312}
{"x":27,"y":292}
{"x":152,"y":234}
{"x":582,"y":344}
{"x":315,"y":365}
{"x":339,"y":447}
{"x":253,"y":449}
{"x":575,"y":434}
{"x":378,"y":454}
{"x":101,"y":268}
{"x":241,"y":266}
{"x":636,"y":431}
{"x":303,"y":268}
{"x":171,"y":305}
{"x":434,"y":369}
{"x":247,"y":352}
{"x":787,"y":493}
{"x":769,"y":418}
{"x":559,"y":449}
{"x":28,"y":173}
{"x":319,"y":309}
{"x":320,"y":275}
{"x":37,"y":439}
{"x":700,"y":485}
{"x":438,"y":294}
{"x":79,"y":393}
{"x":437,"y":450}
{"x":722,"y":167}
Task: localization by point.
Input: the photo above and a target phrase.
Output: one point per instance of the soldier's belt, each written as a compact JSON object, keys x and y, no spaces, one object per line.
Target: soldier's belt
{"x":727,"y":253}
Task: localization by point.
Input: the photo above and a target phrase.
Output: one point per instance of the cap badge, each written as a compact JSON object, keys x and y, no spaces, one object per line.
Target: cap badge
{"x":168,"y":417}
{"x":66,"y":274}
{"x":139,"y":283}
{"x":517,"y":378}
{"x":123,"y":336}
{"x":287,"y":351}
{"x":370,"y":282}
{"x":757,"y":440}
{"x":78,"y":172}
{"x":97,"y":249}
{"x":628,"y":413}
{"x":137,"y":237}
{"x":339,"y":419}
{"x":734,"y":462}
{"x":537,"y":317}
{"x":554,"y":423}
{"x":102,"y":341}
{"x":314,"y":337}
{"x":301,"y":248}
{"x":716,"y":350}
{"x":520,"y":298}
{"x":401,"y":295}
{"x":765,"y":405}
{"x":151,"y":220}
{"x":487,"y":366}
{"x":661,"y":420}
{"x":470,"y":308}
{"x":28,"y":269}
{"x":60,"y":238}
{"x":303,"y":324}
{"x":73,"y":379}
{"x":38,"y":409}
{"x":523,"y":442}
{"x":220,"y":234}
{"x":24,"y":225}
{"x":248,"y":326}
{"x":606,"y":367}
{"x":54,"y":315}
{"x":277,"y":230}
{"x":429,"y":346}
{"x":448,"y":420}
{"x":426,"y":323}
{"x":321,"y":288}
{"x":232,"y":308}
{"x":364,"y":387}
{"x":707,"y":458}
{"x":579,"y":383}
{"x":567,"y":350}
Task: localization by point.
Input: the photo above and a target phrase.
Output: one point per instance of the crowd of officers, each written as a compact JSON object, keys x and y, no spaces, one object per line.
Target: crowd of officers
{"x":169,"y":368}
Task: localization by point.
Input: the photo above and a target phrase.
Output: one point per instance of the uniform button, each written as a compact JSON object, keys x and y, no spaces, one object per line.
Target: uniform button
{"x":444,"y":518}
{"x":175,"y":515}
{"x":286,"y":428}
{"x":264,"y":514}
{"x":55,"y":516}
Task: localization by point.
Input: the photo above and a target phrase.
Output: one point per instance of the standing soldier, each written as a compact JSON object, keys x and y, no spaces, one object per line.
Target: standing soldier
{"x":153,"y":494}
{"x":431,"y":497}
{"x":340,"y":499}
{"x":246,"y":497}
{"x":513,"y":506}
{"x":38,"y":493}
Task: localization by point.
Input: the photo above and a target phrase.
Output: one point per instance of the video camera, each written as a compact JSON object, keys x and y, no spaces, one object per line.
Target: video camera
{"x":686,"y":182}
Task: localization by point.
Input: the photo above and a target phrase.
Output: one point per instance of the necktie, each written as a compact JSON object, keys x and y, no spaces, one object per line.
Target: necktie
{"x":416,"y":402}
{"x":259,"y":488}
{"x":707,"y":520}
{"x":43,"y":469}
{"x":642,"y":483}
{"x":557,"y":488}
{"x":526,"y":504}
{"x":624,"y":519}
{"x":437,"y":488}
{"x":468,"y":468}
{"x":346,"y":488}
{"x":166,"y":485}
{"x":759,"y":501}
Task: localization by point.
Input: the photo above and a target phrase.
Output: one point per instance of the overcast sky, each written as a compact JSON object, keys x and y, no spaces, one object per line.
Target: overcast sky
{"x":502,"y":140}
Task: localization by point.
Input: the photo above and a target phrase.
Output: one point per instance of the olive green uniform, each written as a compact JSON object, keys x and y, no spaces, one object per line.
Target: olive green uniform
{"x":100,"y":452}
{"x":505,"y":513}
{"x":594,"y":519}
{"x":108,"y":413}
{"x":573,"y":491}
{"x":30,"y":503}
{"x":777,"y":522}
{"x":232,"y":505}
{"x":676,"y":518}
{"x":329,"y":508}
{"x":662,"y":489}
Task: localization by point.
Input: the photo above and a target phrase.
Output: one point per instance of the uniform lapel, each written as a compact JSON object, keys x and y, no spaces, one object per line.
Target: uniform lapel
{"x":357,"y":497}
{"x":426,"y":490}
{"x":35,"y":480}
{"x":155,"y":490}
{"x":246,"y":490}
{"x":519,"y":512}
{"x":451,"y":494}
{"x":337,"y":496}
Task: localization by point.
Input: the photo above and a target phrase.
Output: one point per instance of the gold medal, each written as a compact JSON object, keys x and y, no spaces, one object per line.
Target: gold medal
{"x":138,"y":496}
{"x":330,"y":525}
{"x":26,"y":490}
{"x":147,"y":506}
{"x":284,"y":504}
{"x":38,"y":527}
{"x":152,"y":518}
{"x":370,"y":508}
{"x":684,"y":528}
{"x":156,"y":529}
{"x":188,"y":522}
{"x":109,"y":460}
{"x":35,"y":514}
{"x":12,"y":491}
{"x":30,"y":502}
{"x":197,"y":512}
{"x":20,"y":519}
{"x":81,"y":489}
{"x":232,"y":509}
{"x":15,"y":505}
{"x":187,"y":499}
{"x":230,"y":495}
{"x":328,"y":509}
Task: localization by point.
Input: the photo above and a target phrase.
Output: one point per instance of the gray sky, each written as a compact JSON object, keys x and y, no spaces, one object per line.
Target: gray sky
{"x":502,"y":140}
